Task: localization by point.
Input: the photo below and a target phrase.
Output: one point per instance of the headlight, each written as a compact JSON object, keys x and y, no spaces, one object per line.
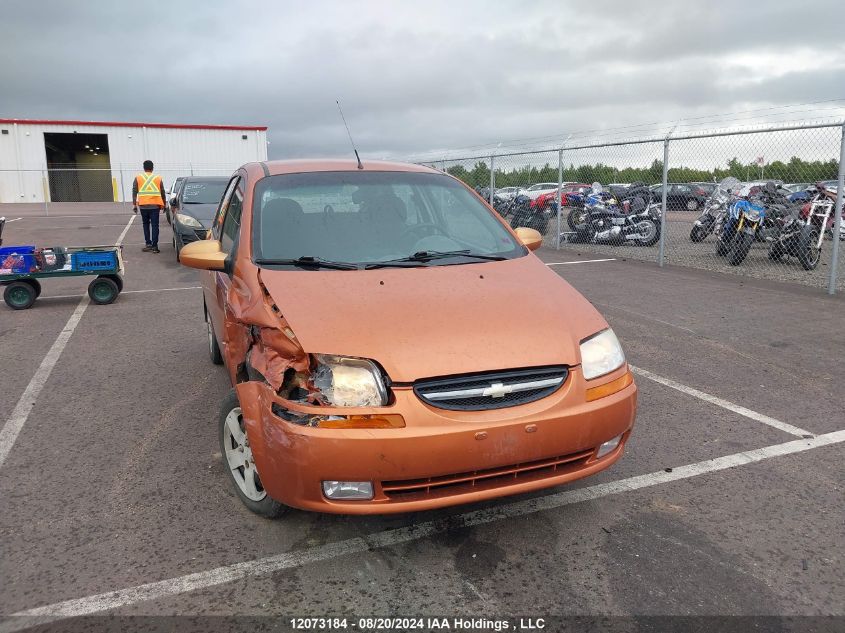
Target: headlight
{"x":752,"y":214}
{"x":349,"y":382}
{"x":188,"y":221}
{"x":601,"y":354}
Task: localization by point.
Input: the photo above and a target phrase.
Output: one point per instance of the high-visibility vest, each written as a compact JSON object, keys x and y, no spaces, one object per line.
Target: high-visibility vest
{"x":149,"y":190}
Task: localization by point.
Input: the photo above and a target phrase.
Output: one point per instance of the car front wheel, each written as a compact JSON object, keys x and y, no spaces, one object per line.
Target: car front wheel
{"x":239,"y":463}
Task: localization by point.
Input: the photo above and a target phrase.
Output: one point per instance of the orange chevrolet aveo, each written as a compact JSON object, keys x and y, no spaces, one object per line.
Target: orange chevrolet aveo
{"x":395,"y":346}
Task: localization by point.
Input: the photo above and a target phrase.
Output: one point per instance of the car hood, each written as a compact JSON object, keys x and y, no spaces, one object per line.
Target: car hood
{"x":203,"y":212}
{"x":440,"y":320}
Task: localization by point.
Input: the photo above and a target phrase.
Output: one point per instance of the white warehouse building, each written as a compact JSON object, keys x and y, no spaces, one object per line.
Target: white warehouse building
{"x":95,"y":161}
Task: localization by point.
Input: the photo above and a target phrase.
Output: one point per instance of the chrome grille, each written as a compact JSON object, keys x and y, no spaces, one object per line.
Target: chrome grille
{"x":491,"y":390}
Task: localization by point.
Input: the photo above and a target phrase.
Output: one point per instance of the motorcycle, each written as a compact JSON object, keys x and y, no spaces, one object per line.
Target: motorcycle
{"x":524,"y":214}
{"x":798,"y":230}
{"x":596,"y":197}
{"x":606,"y":220}
{"x":714,"y":210}
{"x":737,"y":233}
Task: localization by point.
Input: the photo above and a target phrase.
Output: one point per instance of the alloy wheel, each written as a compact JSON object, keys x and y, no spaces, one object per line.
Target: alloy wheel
{"x":239,"y":457}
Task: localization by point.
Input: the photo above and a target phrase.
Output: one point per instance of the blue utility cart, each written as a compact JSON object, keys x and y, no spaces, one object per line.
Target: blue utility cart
{"x":21,"y":268}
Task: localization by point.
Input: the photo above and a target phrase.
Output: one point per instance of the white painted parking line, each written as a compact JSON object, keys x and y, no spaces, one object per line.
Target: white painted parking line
{"x":123,"y":292}
{"x":719,"y":402}
{"x":10,"y":431}
{"x":387,"y":538}
{"x":580,"y":261}
{"x":12,"y":428}
{"x":15,"y":220}
{"x":75,"y":228}
{"x":610,"y":307}
{"x":58,"y":216}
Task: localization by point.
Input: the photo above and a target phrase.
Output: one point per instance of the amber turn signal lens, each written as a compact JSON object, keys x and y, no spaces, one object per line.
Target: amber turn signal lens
{"x":364,"y":422}
{"x":609,"y":388}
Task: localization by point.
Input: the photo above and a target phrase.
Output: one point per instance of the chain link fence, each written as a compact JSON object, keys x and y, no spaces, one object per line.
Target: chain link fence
{"x":760,"y":203}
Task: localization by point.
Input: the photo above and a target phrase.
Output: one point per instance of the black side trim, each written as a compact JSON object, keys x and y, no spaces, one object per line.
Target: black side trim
{"x":266,"y":170}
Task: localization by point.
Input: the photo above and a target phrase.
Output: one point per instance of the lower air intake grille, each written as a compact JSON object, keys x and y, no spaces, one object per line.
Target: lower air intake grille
{"x":492,"y":390}
{"x":460,"y":483}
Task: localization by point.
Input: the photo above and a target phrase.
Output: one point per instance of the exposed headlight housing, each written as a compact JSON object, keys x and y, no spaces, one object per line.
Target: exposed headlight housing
{"x":349,"y":382}
{"x":187,"y":220}
{"x":601,"y":354}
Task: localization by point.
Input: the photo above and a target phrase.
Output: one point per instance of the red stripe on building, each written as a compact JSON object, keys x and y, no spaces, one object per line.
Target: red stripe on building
{"x":172,"y":126}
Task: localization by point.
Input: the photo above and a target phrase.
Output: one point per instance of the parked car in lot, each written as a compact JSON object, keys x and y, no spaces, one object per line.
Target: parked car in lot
{"x":368,"y":322}
{"x":506,"y":193}
{"x":171,"y":197}
{"x":539,"y":189}
{"x":689,"y":196}
{"x":571,"y":194}
{"x":795,"y":187}
{"x":194,"y":208}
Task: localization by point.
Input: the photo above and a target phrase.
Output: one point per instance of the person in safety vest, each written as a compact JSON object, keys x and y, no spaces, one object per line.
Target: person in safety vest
{"x":148,"y":194}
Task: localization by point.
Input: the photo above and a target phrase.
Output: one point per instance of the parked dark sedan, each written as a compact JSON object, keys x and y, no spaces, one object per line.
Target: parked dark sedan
{"x":194,"y":208}
{"x":689,"y":196}
{"x":172,"y":195}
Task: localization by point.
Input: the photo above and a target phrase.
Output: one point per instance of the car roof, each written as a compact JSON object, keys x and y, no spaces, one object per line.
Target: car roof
{"x":276,"y":167}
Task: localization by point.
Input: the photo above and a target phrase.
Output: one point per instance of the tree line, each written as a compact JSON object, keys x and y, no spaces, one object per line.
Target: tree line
{"x":795,"y":170}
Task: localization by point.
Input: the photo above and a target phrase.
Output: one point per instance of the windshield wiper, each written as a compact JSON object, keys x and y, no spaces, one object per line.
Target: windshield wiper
{"x":426,"y":256}
{"x":307,"y":262}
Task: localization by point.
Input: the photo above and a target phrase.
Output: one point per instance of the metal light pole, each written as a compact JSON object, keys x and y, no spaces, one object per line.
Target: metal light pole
{"x":837,"y":216}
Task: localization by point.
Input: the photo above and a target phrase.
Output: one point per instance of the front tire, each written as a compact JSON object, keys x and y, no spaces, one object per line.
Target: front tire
{"x":651,"y":229}
{"x":239,"y":463}
{"x":739,"y":249}
{"x":692,"y":204}
{"x":808,"y":254}
{"x":576,"y":218}
{"x":698,"y":233}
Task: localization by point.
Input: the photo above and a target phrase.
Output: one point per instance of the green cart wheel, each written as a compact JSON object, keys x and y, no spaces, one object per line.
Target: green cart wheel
{"x":103,"y":290}
{"x":20,"y":295}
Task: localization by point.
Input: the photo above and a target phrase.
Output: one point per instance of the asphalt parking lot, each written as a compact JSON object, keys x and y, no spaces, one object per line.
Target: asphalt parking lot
{"x":115,"y":500}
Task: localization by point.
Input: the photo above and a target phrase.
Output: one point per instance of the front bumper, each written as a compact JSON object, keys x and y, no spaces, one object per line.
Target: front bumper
{"x":441,"y":458}
{"x":184,"y":235}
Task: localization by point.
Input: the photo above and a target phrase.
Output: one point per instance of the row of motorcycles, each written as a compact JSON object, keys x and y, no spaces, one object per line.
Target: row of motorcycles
{"x":738,"y":218}
{"x":621,"y":215}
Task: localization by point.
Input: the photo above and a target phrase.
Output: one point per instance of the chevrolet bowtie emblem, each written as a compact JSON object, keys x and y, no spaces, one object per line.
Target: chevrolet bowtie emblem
{"x":497,"y":390}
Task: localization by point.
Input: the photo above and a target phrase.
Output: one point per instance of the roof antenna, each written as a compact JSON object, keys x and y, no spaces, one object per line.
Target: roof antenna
{"x":360,"y":166}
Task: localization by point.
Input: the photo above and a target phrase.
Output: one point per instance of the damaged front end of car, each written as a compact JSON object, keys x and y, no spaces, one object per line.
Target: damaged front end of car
{"x":281,"y":387}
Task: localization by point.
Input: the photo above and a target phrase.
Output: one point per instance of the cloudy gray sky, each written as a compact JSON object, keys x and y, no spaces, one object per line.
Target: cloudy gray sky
{"x":419,"y":77}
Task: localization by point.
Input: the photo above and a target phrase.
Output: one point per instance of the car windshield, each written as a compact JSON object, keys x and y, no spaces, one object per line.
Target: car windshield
{"x":366,"y":217}
{"x":203,"y":191}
